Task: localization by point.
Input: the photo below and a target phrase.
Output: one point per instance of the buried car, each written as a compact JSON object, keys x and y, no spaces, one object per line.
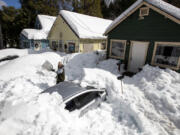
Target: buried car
{"x":77,"y":98}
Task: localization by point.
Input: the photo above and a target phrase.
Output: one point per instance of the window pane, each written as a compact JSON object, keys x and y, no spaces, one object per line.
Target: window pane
{"x":117,"y":49}
{"x":54,"y":45}
{"x":81,"y":101}
{"x":60,"y":44}
{"x":144,"y":11}
{"x":167,"y":55}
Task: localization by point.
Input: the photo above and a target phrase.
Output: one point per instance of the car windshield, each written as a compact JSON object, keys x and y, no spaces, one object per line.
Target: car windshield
{"x":81,"y":101}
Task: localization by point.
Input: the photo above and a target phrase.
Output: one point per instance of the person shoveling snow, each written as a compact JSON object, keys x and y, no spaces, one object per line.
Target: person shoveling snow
{"x":60,"y":72}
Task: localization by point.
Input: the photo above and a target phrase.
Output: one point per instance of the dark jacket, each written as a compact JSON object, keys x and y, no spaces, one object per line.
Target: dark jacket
{"x":60,"y":75}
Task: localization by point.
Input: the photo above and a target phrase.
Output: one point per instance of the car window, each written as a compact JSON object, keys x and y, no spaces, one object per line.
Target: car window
{"x":81,"y":101}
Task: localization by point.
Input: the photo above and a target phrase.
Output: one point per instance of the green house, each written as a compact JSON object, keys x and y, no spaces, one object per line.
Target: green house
{"x":148,"y":32}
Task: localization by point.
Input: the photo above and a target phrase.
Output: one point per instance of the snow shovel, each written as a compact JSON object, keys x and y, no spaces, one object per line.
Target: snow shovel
{"x":48,"y":66}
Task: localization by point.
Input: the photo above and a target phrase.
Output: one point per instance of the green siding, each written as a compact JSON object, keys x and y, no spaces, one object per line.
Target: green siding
{"x":154,"y":27}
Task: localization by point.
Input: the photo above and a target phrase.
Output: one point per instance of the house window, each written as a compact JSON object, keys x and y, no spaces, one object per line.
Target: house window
{"x":61,"y":47}
{"x":60,"y":44}
{"x":117,"y":48}
{"x":144,"y":11}
{"x":167,"y":55}
{"x":54,"y":45}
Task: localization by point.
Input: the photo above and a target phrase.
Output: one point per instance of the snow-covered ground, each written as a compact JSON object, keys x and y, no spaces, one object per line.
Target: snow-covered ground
{"x":148,"y":104}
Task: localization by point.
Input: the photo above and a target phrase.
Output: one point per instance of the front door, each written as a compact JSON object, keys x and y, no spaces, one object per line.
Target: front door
{"x":137,"y":56}
{"x":88,"y":47}
{"x":71,"y":47}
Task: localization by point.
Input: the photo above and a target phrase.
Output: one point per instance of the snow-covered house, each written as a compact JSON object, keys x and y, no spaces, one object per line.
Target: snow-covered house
{"x":74,"y":32}
{"x":37,"y":38}
{"x":147,"y":32}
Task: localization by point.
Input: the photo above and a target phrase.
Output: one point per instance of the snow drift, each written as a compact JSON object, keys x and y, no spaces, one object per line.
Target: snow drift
{"x":149,"y":104}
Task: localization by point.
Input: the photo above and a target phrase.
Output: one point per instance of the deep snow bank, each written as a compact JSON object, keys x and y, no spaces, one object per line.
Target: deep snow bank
{"x":7,"y":52}
{"x":149,"y":104}
{"x":27,"y":65}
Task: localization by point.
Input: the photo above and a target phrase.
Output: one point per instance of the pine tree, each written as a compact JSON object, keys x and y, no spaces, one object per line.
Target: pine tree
{"x":116,"y":8}
{"x":88,"y":7}
{"x":174,"y":2}
{"x":9,"y":28}
{"x":1,"y":39}
{"x":14,"y":20}
{"x":32,"y":8}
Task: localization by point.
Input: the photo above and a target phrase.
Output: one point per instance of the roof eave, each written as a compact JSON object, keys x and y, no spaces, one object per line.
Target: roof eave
{"x":173,"y":18}
{"x":128,"y":14}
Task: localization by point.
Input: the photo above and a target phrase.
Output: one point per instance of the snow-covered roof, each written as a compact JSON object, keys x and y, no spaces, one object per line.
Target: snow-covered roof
{"x":164,"y":6}
{"x":46,"y":23}
{"x":84,"y":26}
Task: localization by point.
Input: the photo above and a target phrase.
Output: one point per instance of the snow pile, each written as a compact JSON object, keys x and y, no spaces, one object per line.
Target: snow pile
{"x":148,"y":104}
{"x":162,"y":89}
{"x":34,"y":117}
{"x":27,"y":65}
{"x":110,"y":65}
{"x":155,"y":95}
{"x":46,"y":24}
{"x":11,"y":52}
{"x":86,"y":26}
{"x":75,"y":64}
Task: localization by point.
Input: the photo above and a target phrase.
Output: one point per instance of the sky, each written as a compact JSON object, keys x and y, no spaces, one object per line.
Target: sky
{"x":14,"y":3}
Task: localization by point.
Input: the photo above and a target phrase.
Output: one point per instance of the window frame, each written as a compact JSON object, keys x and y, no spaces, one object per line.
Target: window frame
{"x":143,"y":8}
{"x":62,"y":43}
{"x":165,"y":44}
{"x":54,"y":41}
{"x":76,"y":99}
{"x":110,"y":50}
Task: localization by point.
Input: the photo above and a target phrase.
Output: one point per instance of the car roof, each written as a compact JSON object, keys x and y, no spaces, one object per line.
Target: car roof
{"x":68,"y":90}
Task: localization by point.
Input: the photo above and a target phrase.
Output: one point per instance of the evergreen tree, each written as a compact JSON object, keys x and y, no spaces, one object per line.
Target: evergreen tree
{"x":65,"y":4}
{"x":9,"y":25}
{"x":1,"y":39}
{"x":174,"y":2}
{"x":115,"y":8}
{"x":31,"y":8}
{"x":14,"y":20}
{"x":88,"y":7}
